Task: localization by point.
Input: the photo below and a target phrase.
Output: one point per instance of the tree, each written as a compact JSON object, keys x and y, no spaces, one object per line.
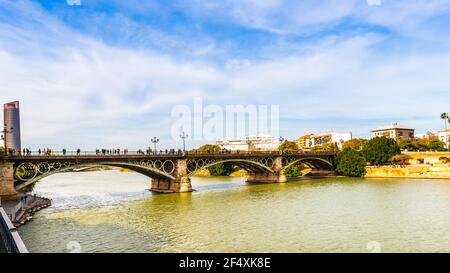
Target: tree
{"x":330,"y":147}
{"x":221,"y":169}
{"x":207,"y":148}
{"x":408,"y":144}
{"x":446,"y":118}
{"x":2,"y":150}
{"x":293,"y":171}
{"x":355,"y":143}
{"x":436,"y":145}
{"x":429,"y":144}
{"x":350,"y":162}
{"x":290,"y":146}
{"x":380,"y":150}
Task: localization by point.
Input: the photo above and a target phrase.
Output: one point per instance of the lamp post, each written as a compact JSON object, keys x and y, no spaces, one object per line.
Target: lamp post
{"x":154,"y":140}
{"x":4,"y":132}
{"x":183,"y":136}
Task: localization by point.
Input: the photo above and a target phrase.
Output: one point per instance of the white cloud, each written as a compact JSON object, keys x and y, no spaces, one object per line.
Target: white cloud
{"x":73,"y":87}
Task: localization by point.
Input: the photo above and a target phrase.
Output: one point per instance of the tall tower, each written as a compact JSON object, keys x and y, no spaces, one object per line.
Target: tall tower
{"x":11,"y":118}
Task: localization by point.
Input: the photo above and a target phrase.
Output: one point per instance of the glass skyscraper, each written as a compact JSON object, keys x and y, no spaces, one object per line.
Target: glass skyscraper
{"x":11,"y":117}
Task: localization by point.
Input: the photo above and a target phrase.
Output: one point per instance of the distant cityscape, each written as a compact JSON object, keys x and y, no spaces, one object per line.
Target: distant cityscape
{"x":307,"y":142}
{"x":12,"y":138}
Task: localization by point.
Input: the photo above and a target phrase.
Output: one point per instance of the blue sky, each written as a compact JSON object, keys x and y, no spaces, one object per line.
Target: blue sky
{"x":108,"y":73}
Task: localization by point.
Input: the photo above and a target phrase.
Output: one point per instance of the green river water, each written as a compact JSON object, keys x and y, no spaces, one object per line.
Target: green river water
{"x":111,"y":211}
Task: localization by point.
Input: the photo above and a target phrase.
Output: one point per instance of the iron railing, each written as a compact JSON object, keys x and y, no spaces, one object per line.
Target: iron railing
{"x":9,"y":237}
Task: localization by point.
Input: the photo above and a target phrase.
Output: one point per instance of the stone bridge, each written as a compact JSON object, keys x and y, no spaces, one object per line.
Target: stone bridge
{"x":169,"y":172}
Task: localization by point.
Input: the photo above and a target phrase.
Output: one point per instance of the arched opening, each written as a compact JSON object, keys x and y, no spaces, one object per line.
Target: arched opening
{"x":314,"y":166}
{"x":248,"y":165}
{"x":27,"y":175}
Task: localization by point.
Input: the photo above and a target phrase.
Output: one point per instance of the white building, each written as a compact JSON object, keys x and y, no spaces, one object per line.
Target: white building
{"x":395,"y":131}
{"x":444,"y":136}
{"x":250,"y":143}
{"x":309,"y":141}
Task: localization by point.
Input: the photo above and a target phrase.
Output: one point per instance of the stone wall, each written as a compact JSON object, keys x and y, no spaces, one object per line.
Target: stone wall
{"x":427,"y":157}
{"x":417,"y":171}
{"x":7,"y":180}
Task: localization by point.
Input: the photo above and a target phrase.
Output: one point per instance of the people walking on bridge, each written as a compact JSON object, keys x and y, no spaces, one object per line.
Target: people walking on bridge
{"x":39,"y":151}
{"x":78,"y":151}
{"x":64,"y":151}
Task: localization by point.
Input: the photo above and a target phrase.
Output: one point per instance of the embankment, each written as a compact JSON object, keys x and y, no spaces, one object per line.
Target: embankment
{"x":410,"y":171}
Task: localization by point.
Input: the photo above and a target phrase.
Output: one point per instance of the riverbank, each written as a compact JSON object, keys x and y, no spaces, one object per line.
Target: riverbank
{"x":437,"y":171}
{"x":22,"y":209}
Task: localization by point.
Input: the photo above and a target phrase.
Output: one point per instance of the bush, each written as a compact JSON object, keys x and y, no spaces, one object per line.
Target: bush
{"x":350,"y":162}
{"x":380,"y":150}
{"x":444,"y":160}
{"x":401,"y":159}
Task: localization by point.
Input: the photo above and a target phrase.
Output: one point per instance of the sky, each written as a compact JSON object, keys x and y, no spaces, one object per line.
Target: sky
{"x":92,"y":73}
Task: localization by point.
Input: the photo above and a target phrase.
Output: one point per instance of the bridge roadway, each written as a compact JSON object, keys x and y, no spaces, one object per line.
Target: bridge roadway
{"x":170,"y":172}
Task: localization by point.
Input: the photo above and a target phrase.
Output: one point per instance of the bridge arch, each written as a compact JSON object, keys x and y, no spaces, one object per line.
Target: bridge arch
{"x":21,"y":182}
{"x":313,"y":162}
{"x":246,"y":164}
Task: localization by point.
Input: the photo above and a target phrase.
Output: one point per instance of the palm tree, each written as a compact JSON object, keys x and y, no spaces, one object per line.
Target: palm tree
{"x":446,"y":119}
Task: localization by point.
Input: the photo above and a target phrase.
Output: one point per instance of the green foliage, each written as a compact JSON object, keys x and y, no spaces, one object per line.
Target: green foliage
{"x":356,"y":144}
{"x":221,"y":169}
{"x":208,"y":148}
{"x":422,"y":145}
{"x":290,"y":146}
{"x":436,"y":145}
{"x":350,"y":162}
{"x":380,"y":150}
{"x":2,"y":150}
{"x":330,"y":147}
{"x":293,"y":171}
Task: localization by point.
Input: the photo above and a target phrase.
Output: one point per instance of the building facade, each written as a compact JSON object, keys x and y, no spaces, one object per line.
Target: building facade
{"x":309,"y":141}
{"x":395,"y":131}
{"x":444,"y":136}
{"x":250,"y":143}
{"x":11,"y":116}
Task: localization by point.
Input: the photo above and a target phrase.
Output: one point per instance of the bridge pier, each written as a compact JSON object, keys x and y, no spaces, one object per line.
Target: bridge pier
{"x":266,"y":178}
{"x":277,"y":176}
{"x":7,"y":190}
{"x":171,"y":186}
{"x":182,"y":182}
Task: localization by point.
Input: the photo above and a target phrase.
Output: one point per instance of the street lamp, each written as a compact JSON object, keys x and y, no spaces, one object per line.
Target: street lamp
{"x":4,"y":132}
{"x":183,"y":136}
{"x":154,"y":140}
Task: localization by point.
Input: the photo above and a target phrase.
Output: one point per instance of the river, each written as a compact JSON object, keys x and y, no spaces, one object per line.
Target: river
{"x":111,"y":211}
